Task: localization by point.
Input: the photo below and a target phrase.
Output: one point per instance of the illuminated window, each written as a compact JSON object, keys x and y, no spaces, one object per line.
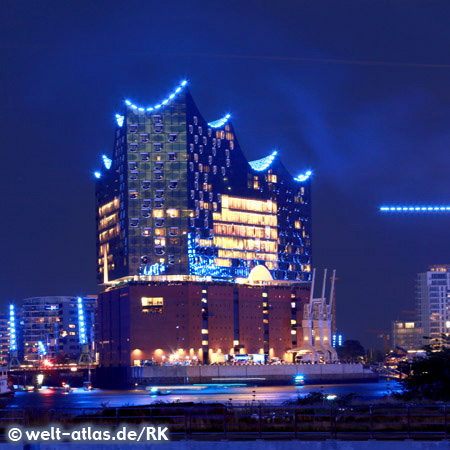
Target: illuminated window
{"x":173,"y":213}
{"x":152,"y":301}
{"x":152,"y":305}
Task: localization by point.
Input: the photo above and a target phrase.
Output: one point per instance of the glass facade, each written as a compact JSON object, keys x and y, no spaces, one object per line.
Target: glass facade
{"x":178,"y":197}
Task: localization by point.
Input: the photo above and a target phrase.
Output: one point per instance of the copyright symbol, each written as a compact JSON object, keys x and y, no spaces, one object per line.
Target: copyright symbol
{"x":15,"y":434}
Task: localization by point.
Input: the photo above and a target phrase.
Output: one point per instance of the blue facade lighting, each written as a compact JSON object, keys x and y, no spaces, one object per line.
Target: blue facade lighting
{"x":97,"y":174}
{"x":264,"y":163}
{"x":12,"y":329}
{"x":119,"y":120}
{"x":154,"y":269}
{"x":164,"y":102}
{"x":41,"y":349}
{"x":303,"y":177}
{"x":220,"y":122}
{"x":415,"y":209}
{"x":107,"y":162}
{"x":204,"y":266}
{"x":82,"y":336}
{"x":337,"y":340}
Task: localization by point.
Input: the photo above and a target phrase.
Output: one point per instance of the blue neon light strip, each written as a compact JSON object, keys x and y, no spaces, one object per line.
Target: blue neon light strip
{"x":151,"y":108}
{"x":107,"y":162}
{"x":82,"y":337}
{"x":264,"y":163}
{"x":119,"y":120}
{"x":303,"y":177}
{"x":220,"y":122}
{"x":41,"y":348}
{"x":12,"y":329}
{"x":414,"y":208}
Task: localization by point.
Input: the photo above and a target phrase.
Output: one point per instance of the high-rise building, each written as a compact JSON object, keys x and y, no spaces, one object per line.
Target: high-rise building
{"x":406,"y":335}
{"x":433,"y":300}
{"x":55,"y":326}
{"x":4,"y":339}
{"x":178,"y":197}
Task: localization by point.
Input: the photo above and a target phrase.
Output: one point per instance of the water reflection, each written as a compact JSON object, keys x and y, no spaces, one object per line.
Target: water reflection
{"x":79,"y":398}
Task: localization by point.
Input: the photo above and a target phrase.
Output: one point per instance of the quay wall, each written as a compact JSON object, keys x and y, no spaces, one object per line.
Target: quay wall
{"x":260,"y":375}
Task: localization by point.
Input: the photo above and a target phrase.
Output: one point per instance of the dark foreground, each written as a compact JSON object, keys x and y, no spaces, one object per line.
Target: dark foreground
{"x":235,"y":423}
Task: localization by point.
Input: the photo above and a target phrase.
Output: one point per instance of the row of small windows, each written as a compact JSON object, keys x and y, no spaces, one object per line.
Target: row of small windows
{"x":157,"y":147}
{"x":145,"y":156}
{"x":145,"y":137}
{"x":147,"y":232}
{"x":133,"y":165}
{"x":134,"y":194}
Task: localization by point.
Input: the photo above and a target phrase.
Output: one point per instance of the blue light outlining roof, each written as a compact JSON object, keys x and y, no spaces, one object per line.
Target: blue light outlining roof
{"x":41,"y":349}
{"x":97,"y":174}
{"x":151,"y":108}
{"x":119,"y":120}
{"x":264,"y":163}
{"x":107,"y":162}
{"x":415,"y":209}
{"x":220,"y":122}
{"x":12,"y":329}
{"x":82,"y":337}
{"x":303,"y":177}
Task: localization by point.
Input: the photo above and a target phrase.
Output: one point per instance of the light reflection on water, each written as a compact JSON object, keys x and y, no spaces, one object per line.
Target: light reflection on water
{"x":79,"y":398}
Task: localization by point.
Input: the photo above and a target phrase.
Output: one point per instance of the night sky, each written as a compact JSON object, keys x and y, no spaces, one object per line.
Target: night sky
{"x":359,"y":92}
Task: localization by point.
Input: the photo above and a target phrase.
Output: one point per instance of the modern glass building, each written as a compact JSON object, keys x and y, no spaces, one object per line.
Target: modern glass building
{"x":433,"y":301}
{"x":177,"y":198}
{"x":57,"y":325}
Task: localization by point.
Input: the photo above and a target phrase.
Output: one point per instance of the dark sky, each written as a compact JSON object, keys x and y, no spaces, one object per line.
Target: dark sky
{"x":374,"y":127}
